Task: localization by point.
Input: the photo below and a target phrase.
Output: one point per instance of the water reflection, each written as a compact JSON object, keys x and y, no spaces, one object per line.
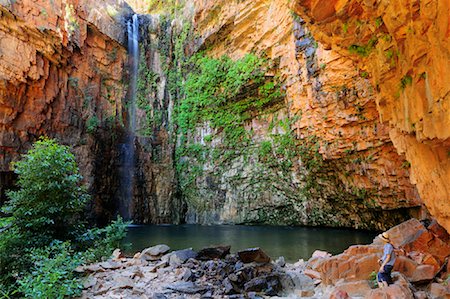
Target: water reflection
{"x":291,"y":242}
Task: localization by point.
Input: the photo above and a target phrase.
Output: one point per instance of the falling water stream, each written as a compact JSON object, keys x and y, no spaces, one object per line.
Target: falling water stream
{"x":127,"y":149}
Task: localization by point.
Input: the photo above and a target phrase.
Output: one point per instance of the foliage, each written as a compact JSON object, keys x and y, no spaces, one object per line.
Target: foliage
{"x":92,"y":124}
{"x":50,"y":198}
{"x":100,"y":242}
{"x":159,"y":6}
{"x":42,"y":236}
{"x":226,"y":93}
{"x":52,"y":273}
{"x":363,"y":50}
{"x":405,"y":81}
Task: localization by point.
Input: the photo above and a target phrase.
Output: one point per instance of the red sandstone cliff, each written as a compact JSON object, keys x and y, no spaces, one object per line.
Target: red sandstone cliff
{"x":404,"y":46}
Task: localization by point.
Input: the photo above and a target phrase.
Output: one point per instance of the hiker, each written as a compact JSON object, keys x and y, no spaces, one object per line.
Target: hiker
{"x":387,"y":262}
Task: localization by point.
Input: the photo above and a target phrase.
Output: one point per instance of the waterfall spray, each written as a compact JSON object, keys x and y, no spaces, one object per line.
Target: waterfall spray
{"x":127,"y":149}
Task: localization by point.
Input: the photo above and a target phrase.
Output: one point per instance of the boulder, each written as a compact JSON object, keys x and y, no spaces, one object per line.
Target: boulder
{"x":253,"y":255}
{"x":394,"y":291}
{"x":210,"y":253}
{"x":438,"y":290}
{"x":339,"y":294}
{"x":180,"y":256}
{"x":423,"y":273}
{"x":438,"y":231}
{"x":154,"y":253}
{"x":354,"y":288}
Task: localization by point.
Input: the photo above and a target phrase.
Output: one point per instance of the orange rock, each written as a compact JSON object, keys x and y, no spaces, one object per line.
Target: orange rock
{"x":339,"y":294}
{"x":439,"y":291}
{"x":391,"y":292}
{"x":355,"y":288}
{"x":412,"y":90}
{"x":438,"y":231}
{"x":311,"y":273}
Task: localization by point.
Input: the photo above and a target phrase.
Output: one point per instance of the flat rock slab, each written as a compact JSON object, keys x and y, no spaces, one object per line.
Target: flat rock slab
{"x":156,"y":250}
{"x":210,"y":253}
{"x":186,"y":287}
{"x":253,"y":255}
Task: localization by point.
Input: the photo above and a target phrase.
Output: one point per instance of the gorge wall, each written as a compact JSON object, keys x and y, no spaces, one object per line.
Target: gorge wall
{"x":303,"y":117}
{"x":345,"y":170}
{"x":404,"y":47}
{"x":62,"y":69}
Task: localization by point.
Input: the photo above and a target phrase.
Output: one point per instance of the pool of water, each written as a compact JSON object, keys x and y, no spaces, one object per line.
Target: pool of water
{"x":293,"y":243}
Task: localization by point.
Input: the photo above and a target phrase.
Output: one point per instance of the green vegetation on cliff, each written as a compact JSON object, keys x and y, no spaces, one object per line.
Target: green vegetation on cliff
{"x":43,"y":237}
{"x":226,"y":94}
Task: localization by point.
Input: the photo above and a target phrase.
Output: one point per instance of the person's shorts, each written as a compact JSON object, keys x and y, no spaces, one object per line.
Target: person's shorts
{"x":386,"y":275}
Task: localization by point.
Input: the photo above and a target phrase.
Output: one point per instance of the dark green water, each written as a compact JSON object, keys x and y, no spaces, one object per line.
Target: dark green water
{"x":293,"y":243}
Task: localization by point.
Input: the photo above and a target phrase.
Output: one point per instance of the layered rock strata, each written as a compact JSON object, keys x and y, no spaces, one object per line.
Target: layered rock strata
{"x":404,"y":49}
{"x":62,"y":77}
{"x":359,"y":179}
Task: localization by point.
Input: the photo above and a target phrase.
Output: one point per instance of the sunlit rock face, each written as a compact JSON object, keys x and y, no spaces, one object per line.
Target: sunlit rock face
{"x":404,"y":47}
{"x":363,"y":181}
{"x":62,"y":77}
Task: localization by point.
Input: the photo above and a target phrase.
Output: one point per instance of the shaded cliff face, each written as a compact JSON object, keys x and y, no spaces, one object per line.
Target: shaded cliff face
{"x":62,"y":77}
{"x":346,"y":171}
{"x":404,"y":48}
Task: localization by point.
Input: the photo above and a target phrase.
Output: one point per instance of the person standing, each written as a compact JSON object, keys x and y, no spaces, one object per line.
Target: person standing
{"x":387,"y":261}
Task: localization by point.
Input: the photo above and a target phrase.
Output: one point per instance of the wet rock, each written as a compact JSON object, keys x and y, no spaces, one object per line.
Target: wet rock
{"x":187,"y":288}
{"x":253,"y":255}
{"x":211,"y":253}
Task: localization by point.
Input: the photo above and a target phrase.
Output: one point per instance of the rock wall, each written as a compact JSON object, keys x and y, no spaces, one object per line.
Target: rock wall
{"x":403,"y":46}
{"x":351,"y":175}
{"x":62,"y":77}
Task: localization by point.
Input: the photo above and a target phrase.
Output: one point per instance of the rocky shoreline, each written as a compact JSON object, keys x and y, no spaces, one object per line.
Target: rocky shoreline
{"x":421,"y":271}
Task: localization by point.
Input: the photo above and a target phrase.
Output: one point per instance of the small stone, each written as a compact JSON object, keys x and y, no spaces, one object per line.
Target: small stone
{"x":89,"y":282}
{"x":117,"y":254}
{"x":280,"y":261}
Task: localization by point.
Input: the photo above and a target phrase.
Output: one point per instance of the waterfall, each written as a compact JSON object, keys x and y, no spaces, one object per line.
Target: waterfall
{"x":127,"y":149}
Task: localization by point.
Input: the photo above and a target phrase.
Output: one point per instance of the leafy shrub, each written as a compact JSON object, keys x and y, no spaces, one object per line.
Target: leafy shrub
{"x":42,"y":237}
{"x":52,"y":274}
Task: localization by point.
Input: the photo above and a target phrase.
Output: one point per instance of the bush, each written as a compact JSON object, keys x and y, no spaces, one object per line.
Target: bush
{"x":42,"y":237}
{"x":52,"y":274}
{"x":50,"y":199}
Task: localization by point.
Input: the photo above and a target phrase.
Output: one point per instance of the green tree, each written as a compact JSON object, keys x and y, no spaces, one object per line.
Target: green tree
{"x":46,"y":207}
{"x":50,"y":198}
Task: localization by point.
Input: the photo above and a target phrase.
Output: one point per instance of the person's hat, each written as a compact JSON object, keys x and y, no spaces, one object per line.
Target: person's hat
{"x":385,"y":237}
